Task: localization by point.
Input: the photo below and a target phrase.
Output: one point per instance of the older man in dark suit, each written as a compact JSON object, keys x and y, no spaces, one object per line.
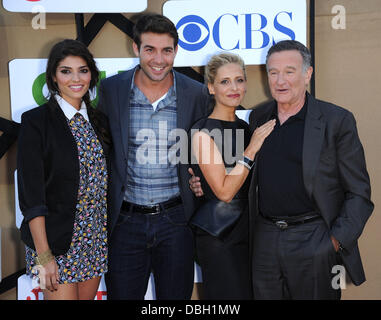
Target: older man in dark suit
{"x":150,"y":202}
{"x":310,"y":193}
{"x":309,"y":197}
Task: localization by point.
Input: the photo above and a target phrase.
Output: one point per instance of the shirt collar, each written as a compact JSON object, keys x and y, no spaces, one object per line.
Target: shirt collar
{"x":300,"y":115}
{"x":69,"y":110}
{"x":171,"y":92}
{"x":302,"y":112}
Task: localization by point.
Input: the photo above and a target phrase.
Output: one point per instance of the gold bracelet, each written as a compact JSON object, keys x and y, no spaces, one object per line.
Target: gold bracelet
{"x":44,"y":258}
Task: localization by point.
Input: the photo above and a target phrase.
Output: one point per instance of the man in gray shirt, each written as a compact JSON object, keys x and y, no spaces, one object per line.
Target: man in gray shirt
{"x":149,"y":198}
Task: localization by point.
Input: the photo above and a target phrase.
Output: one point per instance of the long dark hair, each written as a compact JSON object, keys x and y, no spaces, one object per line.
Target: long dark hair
{"x":59,"y":52}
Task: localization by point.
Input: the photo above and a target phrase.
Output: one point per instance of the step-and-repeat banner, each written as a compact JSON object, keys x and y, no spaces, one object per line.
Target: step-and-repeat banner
{"x":245,"y":27}
{"x":28,"y":89}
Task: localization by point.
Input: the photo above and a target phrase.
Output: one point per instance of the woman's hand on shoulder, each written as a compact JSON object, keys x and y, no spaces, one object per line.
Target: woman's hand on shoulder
{"x":258,"y":137}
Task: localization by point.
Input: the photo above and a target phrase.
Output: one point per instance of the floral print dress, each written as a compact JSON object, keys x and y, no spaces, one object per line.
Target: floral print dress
{"x":87,"y":255}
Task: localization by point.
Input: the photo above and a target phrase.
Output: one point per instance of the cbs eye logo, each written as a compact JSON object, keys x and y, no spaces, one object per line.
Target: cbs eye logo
{"x":193,"y":32}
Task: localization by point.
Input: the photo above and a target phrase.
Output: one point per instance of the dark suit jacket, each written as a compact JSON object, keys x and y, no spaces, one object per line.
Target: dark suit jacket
{"x":114,"y":99}
{"x":48,"y":173}
{"x":335,"y":175}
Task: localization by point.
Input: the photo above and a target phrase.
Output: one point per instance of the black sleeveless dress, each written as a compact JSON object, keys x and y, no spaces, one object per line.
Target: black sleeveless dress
{"x":224,"y":260}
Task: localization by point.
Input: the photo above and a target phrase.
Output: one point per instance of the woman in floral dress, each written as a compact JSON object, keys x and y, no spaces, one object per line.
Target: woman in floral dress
{"x":62,"y":179}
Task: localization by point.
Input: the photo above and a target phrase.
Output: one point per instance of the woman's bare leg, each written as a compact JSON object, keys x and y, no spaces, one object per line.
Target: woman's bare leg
{"x":88,"y":289}
{"x":64,"y":292}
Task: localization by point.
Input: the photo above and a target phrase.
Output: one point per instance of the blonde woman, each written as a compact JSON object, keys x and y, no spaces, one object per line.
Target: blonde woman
{"x":223,"y":149}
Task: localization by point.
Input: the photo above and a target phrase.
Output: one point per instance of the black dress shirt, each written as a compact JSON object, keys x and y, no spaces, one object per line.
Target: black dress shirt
{"x":280,"y":174}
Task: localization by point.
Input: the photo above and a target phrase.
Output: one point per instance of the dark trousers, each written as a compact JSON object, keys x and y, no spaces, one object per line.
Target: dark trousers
{"x":161,"y":243}
{"x":225,"y":264}
{"x":293,"y":263}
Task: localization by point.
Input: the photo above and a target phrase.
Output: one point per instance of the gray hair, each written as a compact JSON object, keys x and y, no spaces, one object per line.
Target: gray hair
{"x":287,"y":45}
